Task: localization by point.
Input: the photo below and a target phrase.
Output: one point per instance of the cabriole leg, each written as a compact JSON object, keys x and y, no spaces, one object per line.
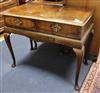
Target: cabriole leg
{"x":79,"y":58}
{"x":8,"y":42}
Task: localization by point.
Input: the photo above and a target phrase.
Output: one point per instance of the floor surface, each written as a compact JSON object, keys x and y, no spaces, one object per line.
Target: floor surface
{"x":43,"y":70}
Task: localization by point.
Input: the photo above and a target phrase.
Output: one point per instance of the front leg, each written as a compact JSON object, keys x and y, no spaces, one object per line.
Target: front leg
{"x":79,"y":58}
{"x":8,"y":42}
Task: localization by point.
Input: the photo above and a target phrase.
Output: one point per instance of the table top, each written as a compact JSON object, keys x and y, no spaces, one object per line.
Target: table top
{"x":61,"y":14}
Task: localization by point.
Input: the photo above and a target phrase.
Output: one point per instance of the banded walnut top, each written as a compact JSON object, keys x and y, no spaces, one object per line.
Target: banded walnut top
{"x":60,"y":14}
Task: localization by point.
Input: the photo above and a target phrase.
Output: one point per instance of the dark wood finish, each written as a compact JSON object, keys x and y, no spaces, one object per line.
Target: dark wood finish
{"x":31,"y":43}
{"x":79,"y":57}
{"x":54,"y":24}
{"x":8,"y":42}
{"x":35,"y":46}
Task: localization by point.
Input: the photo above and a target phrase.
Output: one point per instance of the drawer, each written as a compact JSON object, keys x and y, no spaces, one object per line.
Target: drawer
{"x":44,"y":26}
{"x":64,"y":30}
{"x":20,"y":22}
{"x":59,"y":29}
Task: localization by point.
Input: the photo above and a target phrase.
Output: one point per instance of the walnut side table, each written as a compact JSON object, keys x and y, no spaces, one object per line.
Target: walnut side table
{"x":67,"y":25}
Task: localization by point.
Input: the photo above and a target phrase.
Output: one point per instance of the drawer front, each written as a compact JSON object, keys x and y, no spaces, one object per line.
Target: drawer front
{"x":20,"y":22}
{"x":44,"y":26}
{"x":59,"y":29}
{"x":66,"y":30}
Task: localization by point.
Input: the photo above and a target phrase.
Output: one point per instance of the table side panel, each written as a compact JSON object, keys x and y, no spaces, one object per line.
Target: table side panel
{"x":86,"y":27}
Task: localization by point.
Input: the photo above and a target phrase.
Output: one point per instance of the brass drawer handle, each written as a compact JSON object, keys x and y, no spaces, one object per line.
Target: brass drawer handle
{"x":56,"y":27}
{"x":18,"y":22}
